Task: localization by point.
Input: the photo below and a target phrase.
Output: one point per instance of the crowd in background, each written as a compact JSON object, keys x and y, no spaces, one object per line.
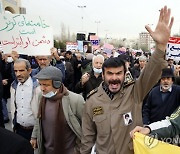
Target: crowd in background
{"x":82,"y":73}
{"x":74,"y":65}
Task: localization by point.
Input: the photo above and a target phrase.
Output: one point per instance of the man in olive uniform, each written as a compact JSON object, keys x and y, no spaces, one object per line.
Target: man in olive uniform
{"x":103,"y":121}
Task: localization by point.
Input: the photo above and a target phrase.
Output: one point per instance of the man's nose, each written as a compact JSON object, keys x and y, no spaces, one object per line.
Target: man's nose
{"x":42,"y":88}
{"x":18,"y":73}
{"x":114,"y":76}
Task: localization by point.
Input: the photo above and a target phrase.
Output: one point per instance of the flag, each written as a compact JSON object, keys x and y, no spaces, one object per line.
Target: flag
{"x":147,"y":145}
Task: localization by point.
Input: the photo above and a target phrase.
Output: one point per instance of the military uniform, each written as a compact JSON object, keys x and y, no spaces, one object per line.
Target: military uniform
{"x":170,"y":130}
{"x":103,"y":121}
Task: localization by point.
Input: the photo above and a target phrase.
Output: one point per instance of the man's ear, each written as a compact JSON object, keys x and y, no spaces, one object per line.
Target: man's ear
{"x":30,"y":70}
{"x":102,"y":76}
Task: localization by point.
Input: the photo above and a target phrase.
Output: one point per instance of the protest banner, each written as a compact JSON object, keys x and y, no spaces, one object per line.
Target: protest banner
{"x":147,"y":145}
{"x":108,"y":48}
{"x":80,"y":46}
{"x":71,"y":46}
{"x":29,"y":35}
{"x":95,"y":42}
{"x":173,"y":48}
{"x":87,"y":47}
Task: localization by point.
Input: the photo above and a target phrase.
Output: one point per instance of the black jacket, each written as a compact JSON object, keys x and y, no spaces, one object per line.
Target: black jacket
{"x":7,"y":73}
{"x":156,"y":109}
{"x":91,"y":84}
{"x":12,"y":143}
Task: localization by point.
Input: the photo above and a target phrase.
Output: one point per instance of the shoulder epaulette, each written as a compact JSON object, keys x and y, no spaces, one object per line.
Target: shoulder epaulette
{"x":128,"y":79}
{"x":92,"y":92}
{"x":128,"y":83}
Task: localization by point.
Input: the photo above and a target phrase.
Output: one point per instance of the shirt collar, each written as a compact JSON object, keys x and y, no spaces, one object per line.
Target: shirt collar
{"x":110,"y":94}
{"x":27,"y":82}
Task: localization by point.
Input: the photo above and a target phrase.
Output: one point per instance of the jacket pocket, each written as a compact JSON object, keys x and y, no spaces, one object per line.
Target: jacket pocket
{"x":126,"y":119}
{"x":102,"y":125}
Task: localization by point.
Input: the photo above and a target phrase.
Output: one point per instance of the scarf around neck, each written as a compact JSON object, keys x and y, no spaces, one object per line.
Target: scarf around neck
{"x":59,"y":143}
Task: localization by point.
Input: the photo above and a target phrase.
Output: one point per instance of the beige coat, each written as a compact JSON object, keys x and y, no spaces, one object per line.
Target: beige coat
{"x":103,"y":120}
{"x":72,"y":106}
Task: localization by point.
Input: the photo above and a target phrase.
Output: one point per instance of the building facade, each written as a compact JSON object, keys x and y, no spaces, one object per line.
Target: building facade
{"x":146,"y":40}
{"x":11,"y":6}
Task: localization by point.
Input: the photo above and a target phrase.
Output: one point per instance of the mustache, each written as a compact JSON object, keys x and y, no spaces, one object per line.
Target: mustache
{"x":114,"y":81}
{"x":19,"y":76}
{"x":166,"y":84}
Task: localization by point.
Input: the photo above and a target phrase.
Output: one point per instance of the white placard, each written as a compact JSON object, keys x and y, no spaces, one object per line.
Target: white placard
{"x":71,"y":46}
{"x":173,"y":48}
{"x":29,"y":35}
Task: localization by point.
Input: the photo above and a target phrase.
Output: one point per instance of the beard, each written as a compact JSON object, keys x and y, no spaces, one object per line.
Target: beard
{"x":166,"y":87}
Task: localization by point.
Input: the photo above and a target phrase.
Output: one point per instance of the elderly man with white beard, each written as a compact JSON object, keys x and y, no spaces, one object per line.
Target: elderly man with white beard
{"x":91,"y":80}
{"x":163,"y":99}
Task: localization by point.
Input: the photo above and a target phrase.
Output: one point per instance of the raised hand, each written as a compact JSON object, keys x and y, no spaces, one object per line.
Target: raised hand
{"x":85,"y":78}
{"x":163,"y":29}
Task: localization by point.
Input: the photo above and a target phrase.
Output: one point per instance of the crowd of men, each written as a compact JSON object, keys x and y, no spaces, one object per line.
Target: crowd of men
{"x":68,"y":102}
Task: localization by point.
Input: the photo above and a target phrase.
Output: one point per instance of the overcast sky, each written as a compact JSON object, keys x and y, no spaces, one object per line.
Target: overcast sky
{"x":118,"y":18}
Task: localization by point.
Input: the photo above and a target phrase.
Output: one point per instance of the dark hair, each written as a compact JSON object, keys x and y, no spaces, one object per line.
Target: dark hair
{"x":63,"y":50}
{"x":113,"y":62}
{"x":68,"y":52}
{"x":124,"y":57}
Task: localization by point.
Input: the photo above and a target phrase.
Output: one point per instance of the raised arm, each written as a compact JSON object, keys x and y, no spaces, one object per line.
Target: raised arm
{"x":152,"y":72}
{"x":162,"y":31}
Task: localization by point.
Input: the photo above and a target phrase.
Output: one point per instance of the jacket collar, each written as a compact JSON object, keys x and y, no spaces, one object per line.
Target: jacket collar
{"x":101,"y":92}
{"x":35,"y":83}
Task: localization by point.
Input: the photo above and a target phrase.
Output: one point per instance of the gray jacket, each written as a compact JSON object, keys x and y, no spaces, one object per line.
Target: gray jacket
{"x":72,"y":106}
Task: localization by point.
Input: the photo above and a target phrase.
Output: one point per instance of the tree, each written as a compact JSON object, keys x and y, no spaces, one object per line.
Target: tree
{"x":73,"y":37}
{"x":135,"y":46}
{"x":63,"y":32}
{"x":59,"y":44}
{"x":69,"y":35}
{"x":56,"y":44}
{"x":144,"y":47}
{"x":62,"y":45}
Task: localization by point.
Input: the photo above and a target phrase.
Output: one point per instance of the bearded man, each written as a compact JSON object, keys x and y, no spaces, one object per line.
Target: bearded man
{"x":103,"y":121}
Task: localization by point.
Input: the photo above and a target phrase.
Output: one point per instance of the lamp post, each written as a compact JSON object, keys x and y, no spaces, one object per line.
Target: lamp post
{"x":150,"y":40}
{"x":106,"y":31}
{"x":82,"y":7}
{"x":97,"y":22}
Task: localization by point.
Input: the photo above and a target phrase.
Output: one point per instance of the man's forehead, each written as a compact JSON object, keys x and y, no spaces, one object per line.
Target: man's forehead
{"x":114,"y":69}
{"x":142,"y":60}
{"x":42,"y":57}
{"x":44,"y":81}
{"x":98,"y":59}
{"x":164,"y":78}
{"x":20,"y":65}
